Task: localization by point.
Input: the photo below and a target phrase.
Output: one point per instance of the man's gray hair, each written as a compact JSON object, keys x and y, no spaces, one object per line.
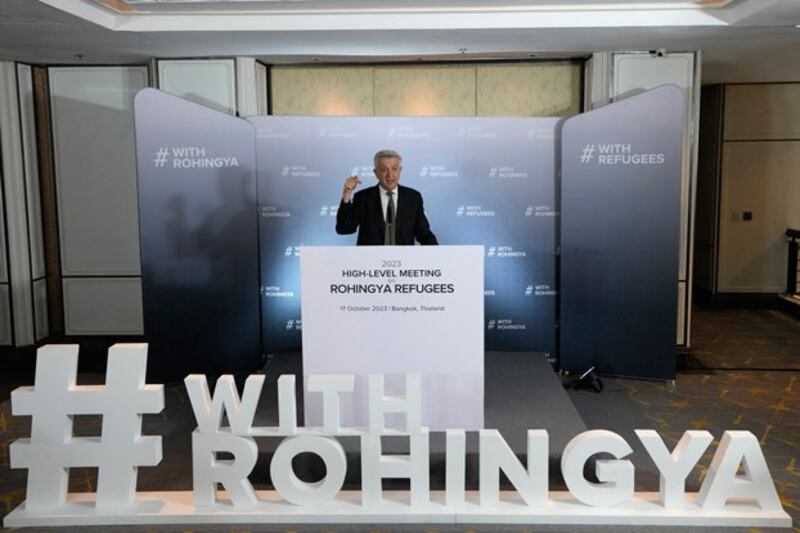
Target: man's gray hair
{"x":385,"y":154}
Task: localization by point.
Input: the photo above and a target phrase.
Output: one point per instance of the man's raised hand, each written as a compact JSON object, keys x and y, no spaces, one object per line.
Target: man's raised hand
{"x":349,"y":185}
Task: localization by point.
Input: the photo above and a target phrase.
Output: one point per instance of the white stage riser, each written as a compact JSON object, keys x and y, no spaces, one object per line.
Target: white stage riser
{"x":177,"y":508}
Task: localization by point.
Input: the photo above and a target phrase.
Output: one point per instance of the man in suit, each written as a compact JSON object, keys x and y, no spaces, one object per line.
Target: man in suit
{"x":387,"y":213}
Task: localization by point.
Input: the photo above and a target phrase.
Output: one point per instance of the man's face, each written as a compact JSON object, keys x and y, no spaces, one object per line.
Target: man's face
{"x":388,"y":172}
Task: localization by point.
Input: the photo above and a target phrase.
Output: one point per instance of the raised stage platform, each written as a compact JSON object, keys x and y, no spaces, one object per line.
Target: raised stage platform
{"x":521,"y":392}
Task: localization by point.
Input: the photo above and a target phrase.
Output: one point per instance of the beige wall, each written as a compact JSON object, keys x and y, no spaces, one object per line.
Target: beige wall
{"x":425,"y":90}
{"x":536,"y":90}
{"x":760,"y":174}
{"x":518,"y":89}
{"x":322,"y":91}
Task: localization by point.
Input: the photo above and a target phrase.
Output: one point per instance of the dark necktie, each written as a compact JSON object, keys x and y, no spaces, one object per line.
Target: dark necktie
{"x":388,"y":236}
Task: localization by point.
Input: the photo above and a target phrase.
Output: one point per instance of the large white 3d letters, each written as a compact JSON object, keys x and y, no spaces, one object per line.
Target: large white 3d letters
{"x":676,"y":466}
{"x":52,"y":449}
{"x":616,"y":477}
{"x":722,"y":482}
{"x":298,"y":492}
{"x":227,"y":455}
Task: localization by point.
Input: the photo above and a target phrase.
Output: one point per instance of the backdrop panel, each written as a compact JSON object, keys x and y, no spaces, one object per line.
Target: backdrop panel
{"x":485,"y":181}
{"x":198,"y":231}
{"x":620,"y":203}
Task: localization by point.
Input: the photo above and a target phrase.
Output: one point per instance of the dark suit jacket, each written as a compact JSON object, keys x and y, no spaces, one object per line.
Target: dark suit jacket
{"x":365,"y":214}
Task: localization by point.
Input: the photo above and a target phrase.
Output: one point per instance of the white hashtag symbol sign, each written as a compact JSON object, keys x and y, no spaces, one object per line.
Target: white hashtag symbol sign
{"x":161,"y":157}
{"x":529,"y":211}
{"x":528,"y":290}
{"x":587,"y":154}
{"x":289,"y":324}
{"x":52,"y":449}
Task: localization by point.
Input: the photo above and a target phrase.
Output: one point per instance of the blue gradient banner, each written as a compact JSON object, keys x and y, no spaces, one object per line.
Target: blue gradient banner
{"x":620,"y":198}
{"x":484,"y":181}
{"x":220,"y":196}
{"x":198,"y":232}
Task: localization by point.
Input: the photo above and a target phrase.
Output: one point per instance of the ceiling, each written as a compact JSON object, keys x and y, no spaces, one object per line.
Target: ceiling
{"x":741,"y":40}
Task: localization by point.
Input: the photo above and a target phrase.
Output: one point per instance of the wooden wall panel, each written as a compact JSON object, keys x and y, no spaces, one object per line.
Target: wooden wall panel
{"x":762,"y":111}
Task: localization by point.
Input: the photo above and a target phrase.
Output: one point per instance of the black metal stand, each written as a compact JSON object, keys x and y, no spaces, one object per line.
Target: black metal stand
{"x":588,"y":380}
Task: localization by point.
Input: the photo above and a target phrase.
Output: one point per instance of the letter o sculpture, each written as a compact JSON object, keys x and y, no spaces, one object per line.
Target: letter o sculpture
{"x":294,"y":490}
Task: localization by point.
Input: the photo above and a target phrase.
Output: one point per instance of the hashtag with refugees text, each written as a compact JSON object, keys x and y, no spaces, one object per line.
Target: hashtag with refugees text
{"x":587,"y":154}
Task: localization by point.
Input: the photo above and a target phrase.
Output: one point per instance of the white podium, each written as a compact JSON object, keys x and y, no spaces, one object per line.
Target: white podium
{"x":394,"y":311}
